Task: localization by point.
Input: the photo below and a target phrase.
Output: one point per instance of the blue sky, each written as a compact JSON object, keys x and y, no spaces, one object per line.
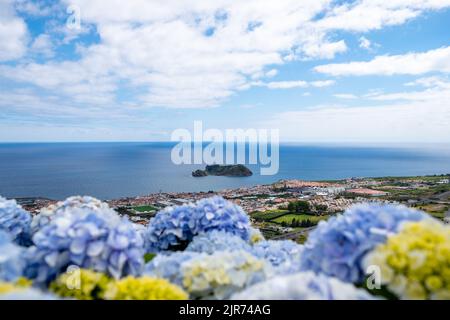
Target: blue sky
{"x":319,"y":70}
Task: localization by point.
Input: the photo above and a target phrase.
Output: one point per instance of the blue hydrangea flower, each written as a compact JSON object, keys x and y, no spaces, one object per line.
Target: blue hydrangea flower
{"x":215,"y":240}
{"x":173,"y":228}
{"x":27,"y":294}
{"x":284,"y":255}
{"x":168,"y":266}
{"x":15,"y":221}
{"x":98,"y":240}
{"x":66,"y":206}
{"x":302,"y":286}
{"x":336,"y":247}
{"x":11,"y":260}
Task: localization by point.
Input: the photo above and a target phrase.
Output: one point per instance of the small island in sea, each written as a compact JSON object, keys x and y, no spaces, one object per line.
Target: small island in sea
{"x":237,"y":170}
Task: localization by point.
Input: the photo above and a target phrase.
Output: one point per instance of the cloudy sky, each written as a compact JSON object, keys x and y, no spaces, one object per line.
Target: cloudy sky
{"x":319,"y":70}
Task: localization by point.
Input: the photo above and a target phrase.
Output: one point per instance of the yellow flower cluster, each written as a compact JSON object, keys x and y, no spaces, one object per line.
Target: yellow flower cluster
{"x":81,"y":284}
{"x":144,"y":288}
{"x":256,"y":236}
{"x":415,"y":263}
{"x":89,"y":285}
{"x":20,"y":284}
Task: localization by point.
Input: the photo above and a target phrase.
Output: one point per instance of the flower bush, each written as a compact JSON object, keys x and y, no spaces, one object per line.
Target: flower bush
{"x":82,"y":249}
{"x":15,"y":221}
{"x":337,"y":246}
{"x":144,"y":288}
{"x":302,"y":286}
{"x":415,"y":263}
{"x":94,"y":239}
{"x":174,"y":227}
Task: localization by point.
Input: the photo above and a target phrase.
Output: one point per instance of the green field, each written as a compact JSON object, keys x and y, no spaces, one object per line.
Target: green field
{"x":287,"y":218}
{"x":144,"y":208}
{"x":268,"y":215}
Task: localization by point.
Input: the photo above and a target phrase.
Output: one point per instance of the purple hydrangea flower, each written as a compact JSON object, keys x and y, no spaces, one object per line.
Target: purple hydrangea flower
{"x":95,"y":239}
{"x":284,"y":255}
{"x":15,"y":221}
{"x":11,"y":260}
{"x":173,"y":228}
{"x":336,"y":247}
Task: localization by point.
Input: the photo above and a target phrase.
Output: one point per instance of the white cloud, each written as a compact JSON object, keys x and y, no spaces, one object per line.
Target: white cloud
{"x":271,"y":73}
{"x":43,"y":45}
{"x":13,"y":33}
{"x":437,"y":91}
{"x":322,"y":83}
{"x":368,"y":15}
{"x":34,"y":8}
{"x":324,"y":49}
{"x":410,"y":63}
{"x":412,"y":122}
{"x":348,"y":96}
{"x":433,"y":81}
{"x":294,"y":84}
{"x":364,"y":43}
{"x":196,"y":53}
{"x":286,"y":84}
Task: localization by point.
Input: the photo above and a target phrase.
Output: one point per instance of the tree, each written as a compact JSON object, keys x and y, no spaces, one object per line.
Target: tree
{"x":299,"y":207}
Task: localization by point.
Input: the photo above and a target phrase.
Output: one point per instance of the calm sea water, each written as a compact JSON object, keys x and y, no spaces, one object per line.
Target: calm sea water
{"x":112,"y":170}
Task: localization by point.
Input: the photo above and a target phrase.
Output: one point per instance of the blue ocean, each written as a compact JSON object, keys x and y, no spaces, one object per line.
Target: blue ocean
{"x":113,"y":170}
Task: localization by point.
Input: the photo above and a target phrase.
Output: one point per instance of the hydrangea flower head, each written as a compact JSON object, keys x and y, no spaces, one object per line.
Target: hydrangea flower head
{"x":11,"y":260}
{"x":216,"y":213}
{"x":168,"y":266}
{"x":66,"y":207}
{"x":101,"y":241}
{"x":144,"y":288}
{"x":170,"y":228}
{"x":415,"y":263}
{"x":15,"y":221}
{"x":284,"y":255}
{"x":336,"y":247}
{"x":302,"y":286}
{"x":219,"y":275}
{"x":174,"y":227}
{"x":215,"y":240}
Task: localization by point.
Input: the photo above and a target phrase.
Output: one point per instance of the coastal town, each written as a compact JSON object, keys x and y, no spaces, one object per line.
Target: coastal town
{"x":271,"y":206}
{"x":289,"y":209}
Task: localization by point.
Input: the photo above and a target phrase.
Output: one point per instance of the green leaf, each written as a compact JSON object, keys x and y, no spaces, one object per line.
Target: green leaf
{"x":149,"y":257}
